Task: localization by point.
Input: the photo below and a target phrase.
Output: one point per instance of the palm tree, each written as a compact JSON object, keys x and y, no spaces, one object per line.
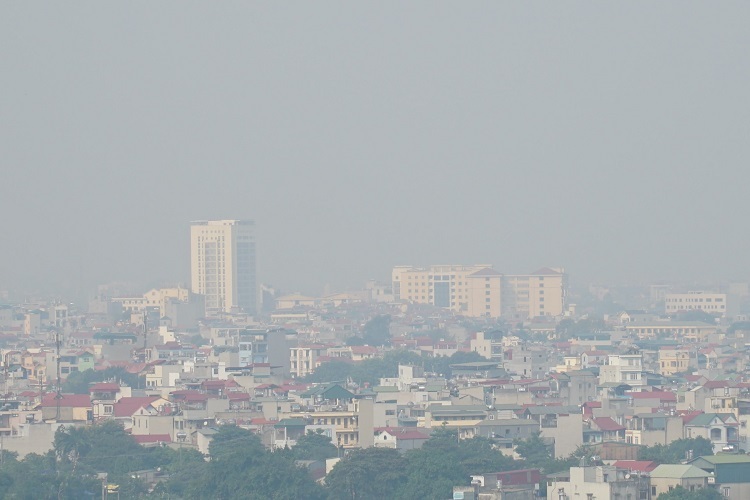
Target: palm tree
{"x":72,"y":443}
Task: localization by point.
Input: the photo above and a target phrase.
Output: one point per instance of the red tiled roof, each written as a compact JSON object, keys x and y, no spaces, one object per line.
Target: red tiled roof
{"x":402,"y":432}
{"x":126,"y":407}
{"x":192,"y":398}
{"x":487,"y":271}
{"x":494,"y":382}
{"x":716,"y":384}
{"x":67,"y":401}
{"x":105,"y":387}
{"x":364,"y":349}
{"x":214,"y":383}
{"x":689,"y":416}
{"x":266,"y":386}
{"x":261,"y":421}
{"x":607,"y":424}
{"x":520,"y":477}
{"x":135,"y":367}
{"x":636,"y":465}
{"x":525,"y":381}
{"x":545,"y":270}
{"x":660,"y":395}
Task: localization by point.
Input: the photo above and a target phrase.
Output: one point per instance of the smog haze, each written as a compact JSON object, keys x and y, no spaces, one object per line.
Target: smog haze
{"x":609,"y":139}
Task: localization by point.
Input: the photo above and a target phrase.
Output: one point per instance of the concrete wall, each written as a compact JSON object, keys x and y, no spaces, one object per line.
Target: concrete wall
{"x":568,"y":434}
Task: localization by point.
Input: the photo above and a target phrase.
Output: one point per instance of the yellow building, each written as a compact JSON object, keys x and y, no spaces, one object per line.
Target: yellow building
{"x":714,"y":303}
{"x":673,"y":360}
{"x":156,"y":297}
{"x":479,"y":290}
{"x":684,"y":330}
{"x":443,"y":286}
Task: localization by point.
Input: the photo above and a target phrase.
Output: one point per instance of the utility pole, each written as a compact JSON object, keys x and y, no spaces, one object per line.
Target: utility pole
{"x":145,"y":335}
{"x":5,"y":375}
{"x":58,"y":395}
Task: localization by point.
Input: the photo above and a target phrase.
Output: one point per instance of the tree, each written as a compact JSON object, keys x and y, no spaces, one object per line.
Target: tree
{"x":534,"y":450}
{"x":241,"y":467}
{"x":442,"y":364}
{"x":356,"y":340}
{"x":377,"y":331}
{"x":314,"y":446}
{"x":232,"y":441}
{"x":538,"y":454}
{"x":437,"y":334}
{"x":741,"y":326}
{"x":680,"y":493}
{"x":369,"y":371}
{"x":696,"y":315}
{"x":370,"y":473}
{"x":80,"y":453}
{"x":568,"y":328}
{"x":71,"y":442}
{"x":79,"y":382}
{"x":332,"y":371}
{"x":444,"y":461}
{"x":676,"y":451}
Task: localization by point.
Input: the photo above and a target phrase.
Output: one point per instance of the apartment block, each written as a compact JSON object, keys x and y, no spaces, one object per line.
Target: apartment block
{"x":222,"y":264}
{"x":303,"y":359}
{"x":714,"y":303}
{"x":479,"y":290}
{"x":623,"y":369}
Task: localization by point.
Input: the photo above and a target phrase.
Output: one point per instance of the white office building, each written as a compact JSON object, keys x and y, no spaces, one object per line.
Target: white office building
{"x":222,"y":264}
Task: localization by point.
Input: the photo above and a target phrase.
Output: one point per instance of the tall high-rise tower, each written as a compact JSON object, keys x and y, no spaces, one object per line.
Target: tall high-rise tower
{"x":222,"y":264}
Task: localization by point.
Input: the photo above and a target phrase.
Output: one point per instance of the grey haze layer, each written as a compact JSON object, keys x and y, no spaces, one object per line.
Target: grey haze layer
{"x":610,"y":139}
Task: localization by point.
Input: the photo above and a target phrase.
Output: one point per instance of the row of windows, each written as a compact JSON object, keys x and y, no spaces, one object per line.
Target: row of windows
{"x":702,"y":299}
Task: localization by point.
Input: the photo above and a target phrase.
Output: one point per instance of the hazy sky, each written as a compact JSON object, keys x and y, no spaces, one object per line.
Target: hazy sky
{"x":608,"y":138}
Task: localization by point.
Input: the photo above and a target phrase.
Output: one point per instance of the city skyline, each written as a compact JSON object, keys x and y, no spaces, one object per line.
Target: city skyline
{"x":527,"y":137}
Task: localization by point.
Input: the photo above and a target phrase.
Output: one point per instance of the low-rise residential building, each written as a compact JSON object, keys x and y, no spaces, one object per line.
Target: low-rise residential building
{"x":729,"y":474}
{"x":624,"y":369}
{"x":595,"y":482}
{"x":674,"y":360}
{"x":722,"y":429}
{"x":650,"y":429}
{"x":400,"y":438}
{"x":666,"y":477}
